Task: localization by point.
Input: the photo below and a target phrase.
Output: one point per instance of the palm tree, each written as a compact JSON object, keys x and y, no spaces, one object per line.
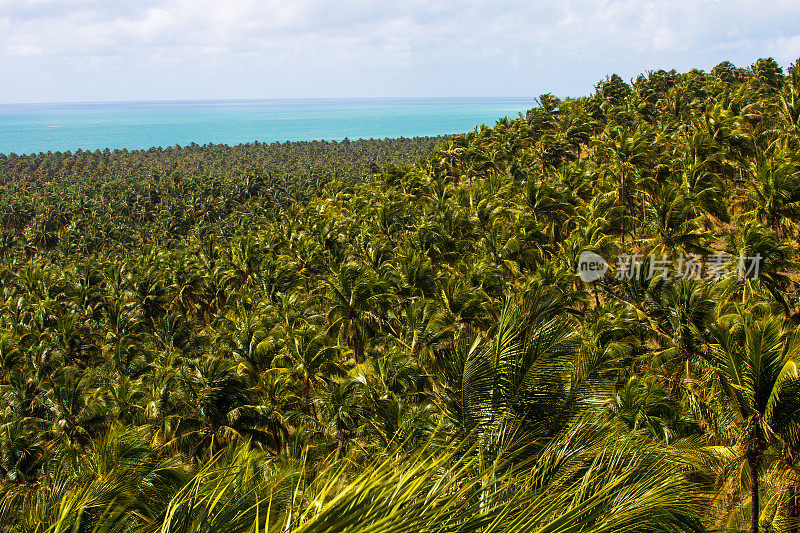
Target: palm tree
{"x":310,"y":360}
{"x":123,"y":326}
{"x":773,"y":194}
{"x":755,"y":359}
{"x":519,"y":383}
{"x":674,"y":224}
{"x":420,"y":329}
{"x":219,"y":408}
{"x":246,"y":258}
{"x":342,"y":412}
{"x":353,"y":298}
{"x":628,"y":153}
{"x":789,"y":101}
{"x":755,"y":246}
{"x":245,"y":334}
{"x":647,"y":409}
{"x":161,"y":399}
{"x":78,"y":407}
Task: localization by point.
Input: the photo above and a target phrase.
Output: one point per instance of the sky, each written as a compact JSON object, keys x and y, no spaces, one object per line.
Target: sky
{"x":118,"y":50}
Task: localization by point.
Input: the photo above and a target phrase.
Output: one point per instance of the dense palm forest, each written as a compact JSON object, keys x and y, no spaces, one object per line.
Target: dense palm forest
{"x":393,"y":336}
{"x":88,"y":202}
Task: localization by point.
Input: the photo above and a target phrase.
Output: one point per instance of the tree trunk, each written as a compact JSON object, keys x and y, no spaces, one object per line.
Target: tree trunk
{"x":358,"y":347}
{"x":793,"y":511}
{"x":623,"y":201}
{"x":308,"y":400}
{"x":754,"y":506}
{"x":276,"y":436}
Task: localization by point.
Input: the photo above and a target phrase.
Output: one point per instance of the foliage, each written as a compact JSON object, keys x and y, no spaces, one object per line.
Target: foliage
{"x":392,"y":336}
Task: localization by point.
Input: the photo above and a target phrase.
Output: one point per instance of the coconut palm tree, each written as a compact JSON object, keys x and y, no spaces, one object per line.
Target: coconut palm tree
{"x":755,"y":359}
{"x":354,"y":298}
{"x":219,"y":408}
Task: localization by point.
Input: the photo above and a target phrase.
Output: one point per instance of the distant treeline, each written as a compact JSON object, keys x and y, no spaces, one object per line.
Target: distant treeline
{"x":88,"y":201}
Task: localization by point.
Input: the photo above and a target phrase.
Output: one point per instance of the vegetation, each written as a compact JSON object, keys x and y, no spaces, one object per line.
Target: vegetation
{"x":393,"y":336}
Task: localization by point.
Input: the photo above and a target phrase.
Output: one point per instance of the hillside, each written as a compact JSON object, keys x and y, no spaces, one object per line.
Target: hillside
{"x":403,"y":335}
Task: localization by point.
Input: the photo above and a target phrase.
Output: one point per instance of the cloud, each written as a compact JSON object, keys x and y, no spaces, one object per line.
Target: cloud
{"x":92,"y":49}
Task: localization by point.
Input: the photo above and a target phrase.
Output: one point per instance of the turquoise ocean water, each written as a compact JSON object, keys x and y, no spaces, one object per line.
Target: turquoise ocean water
{"x":30,"y":128}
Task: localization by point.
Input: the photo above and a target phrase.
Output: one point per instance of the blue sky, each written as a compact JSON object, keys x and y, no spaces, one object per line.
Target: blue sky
{"x":88,"y":50}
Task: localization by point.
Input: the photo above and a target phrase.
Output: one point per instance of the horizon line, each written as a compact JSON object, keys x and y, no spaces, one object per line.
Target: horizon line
{"x":295,"y":98}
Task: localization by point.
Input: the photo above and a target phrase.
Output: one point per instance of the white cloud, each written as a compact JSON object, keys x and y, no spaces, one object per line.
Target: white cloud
{"x":785,"y":50}
{"x":93,"y":49}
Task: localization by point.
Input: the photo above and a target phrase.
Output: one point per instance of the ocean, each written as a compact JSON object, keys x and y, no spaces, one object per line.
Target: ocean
{"x":32,"y":128}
